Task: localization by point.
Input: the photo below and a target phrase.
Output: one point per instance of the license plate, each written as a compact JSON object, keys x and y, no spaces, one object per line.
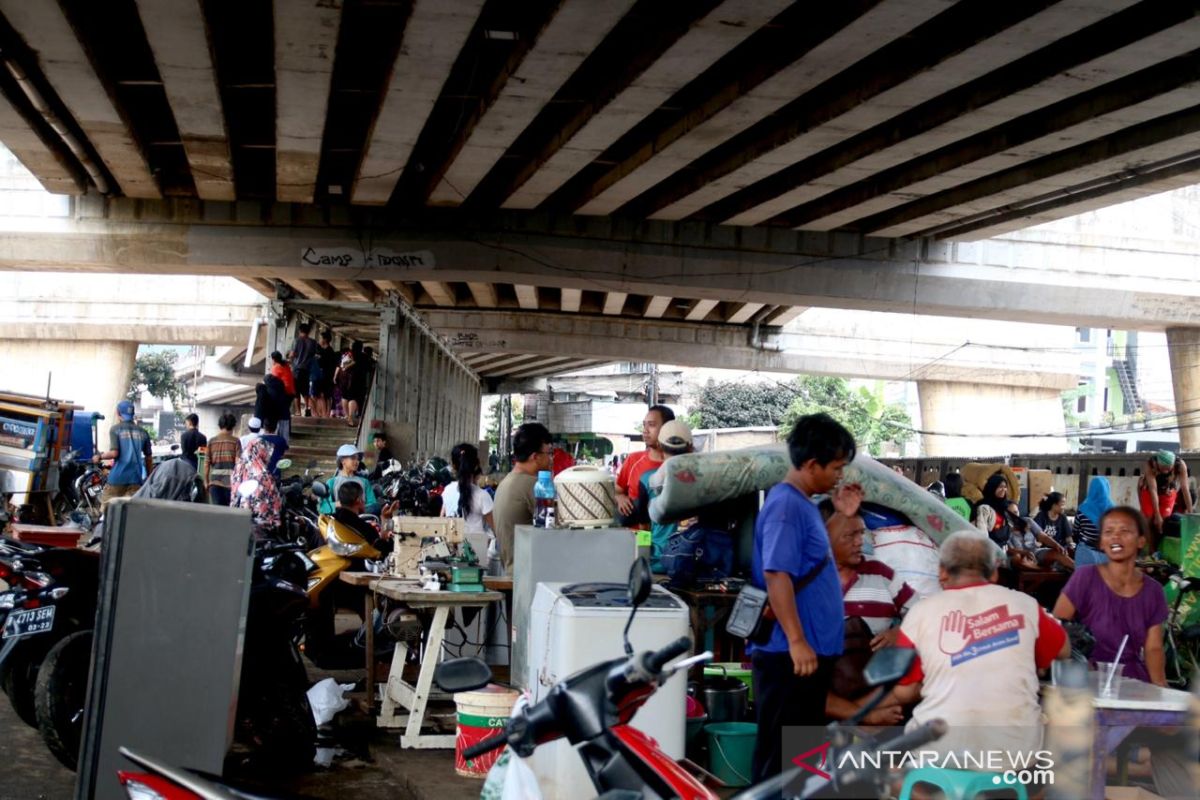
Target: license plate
{"x":28,"y":622}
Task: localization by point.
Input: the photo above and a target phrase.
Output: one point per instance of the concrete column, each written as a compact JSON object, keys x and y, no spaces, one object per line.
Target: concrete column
{"x":92,"y":374}
{"x":442,"y":426}
{"x":1183,"y":348}
{"x":978,"y":420}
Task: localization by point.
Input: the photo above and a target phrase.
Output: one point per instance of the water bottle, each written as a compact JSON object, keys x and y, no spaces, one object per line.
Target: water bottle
{"x":543,"y":498}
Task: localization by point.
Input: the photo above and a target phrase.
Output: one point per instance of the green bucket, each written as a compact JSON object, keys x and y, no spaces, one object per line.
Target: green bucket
{"x":731,"y":751}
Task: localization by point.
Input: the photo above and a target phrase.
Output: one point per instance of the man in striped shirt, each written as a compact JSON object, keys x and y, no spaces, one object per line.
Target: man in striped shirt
{"x":871,"y":591}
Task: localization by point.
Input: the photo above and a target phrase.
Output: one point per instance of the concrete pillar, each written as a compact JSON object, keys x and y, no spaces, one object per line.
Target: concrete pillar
{"x":1183,"y":348}
{"x":979,"y":420}
{"x":92,"y":374}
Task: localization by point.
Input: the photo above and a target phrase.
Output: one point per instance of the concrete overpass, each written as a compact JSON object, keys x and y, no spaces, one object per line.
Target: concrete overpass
{"x":889,"y":117}
{"x":649,"y":163}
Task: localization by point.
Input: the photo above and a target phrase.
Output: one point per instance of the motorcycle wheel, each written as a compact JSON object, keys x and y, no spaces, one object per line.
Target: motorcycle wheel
{"x":18,"y":680}
{"x":61,"y":694}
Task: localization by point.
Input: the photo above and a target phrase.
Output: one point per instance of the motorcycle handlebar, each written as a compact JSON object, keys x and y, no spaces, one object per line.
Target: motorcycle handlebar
{"x":657,"y":660}
{"x":486,"y":746}
{"x":930,"y":731}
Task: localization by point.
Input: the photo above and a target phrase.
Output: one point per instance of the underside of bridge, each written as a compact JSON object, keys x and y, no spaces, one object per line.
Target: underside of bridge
{"x":705,"y":169}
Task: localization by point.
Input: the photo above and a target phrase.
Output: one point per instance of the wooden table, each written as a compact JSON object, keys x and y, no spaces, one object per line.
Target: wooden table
{"x":1137,"y":704}
{"x":365,"y":579}
{"x":412,"y":701}
{"x":709,"y":611}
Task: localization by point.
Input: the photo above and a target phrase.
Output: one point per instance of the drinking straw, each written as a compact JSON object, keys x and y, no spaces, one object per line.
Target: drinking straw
{"x":1116,"y":664}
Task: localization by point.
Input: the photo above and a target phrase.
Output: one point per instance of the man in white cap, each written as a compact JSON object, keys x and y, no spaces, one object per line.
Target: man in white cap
{"x":129,"y":446}
{"x":674,"y":439}
{"x":1162,"y":492}
{"x":255,"y":426}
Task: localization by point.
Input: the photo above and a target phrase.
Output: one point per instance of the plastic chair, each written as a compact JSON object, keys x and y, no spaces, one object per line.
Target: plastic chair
{"x":959,"y":784}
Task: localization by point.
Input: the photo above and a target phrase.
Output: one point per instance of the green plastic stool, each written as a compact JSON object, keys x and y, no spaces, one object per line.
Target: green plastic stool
{"x":959,"y":784}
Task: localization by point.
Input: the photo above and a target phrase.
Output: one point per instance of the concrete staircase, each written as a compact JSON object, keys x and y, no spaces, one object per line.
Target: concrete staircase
{"x":318,"y":439}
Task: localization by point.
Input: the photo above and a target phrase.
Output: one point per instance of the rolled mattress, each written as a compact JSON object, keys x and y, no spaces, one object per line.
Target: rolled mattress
{"x":696,"y":480}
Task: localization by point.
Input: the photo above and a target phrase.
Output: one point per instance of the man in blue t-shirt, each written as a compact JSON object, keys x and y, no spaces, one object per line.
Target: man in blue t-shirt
{"x":129,"y":447}
{"x":792,"y":560}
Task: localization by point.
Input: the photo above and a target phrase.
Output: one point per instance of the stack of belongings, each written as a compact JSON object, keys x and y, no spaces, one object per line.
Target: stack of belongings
{"x":906,"y":524}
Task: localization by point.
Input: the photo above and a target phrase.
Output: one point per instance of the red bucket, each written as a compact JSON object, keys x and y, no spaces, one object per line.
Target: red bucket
{"x":482,"y":714}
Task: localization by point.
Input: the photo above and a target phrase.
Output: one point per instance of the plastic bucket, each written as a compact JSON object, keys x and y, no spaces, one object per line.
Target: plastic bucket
{"x":481,"y":715}
{"x":731,"y":751}
{"x":733,"y":669}
{"x":693,"y":727}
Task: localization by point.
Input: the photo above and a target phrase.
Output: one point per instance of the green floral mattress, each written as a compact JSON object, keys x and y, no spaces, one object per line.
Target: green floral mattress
{"x":696,"y":480}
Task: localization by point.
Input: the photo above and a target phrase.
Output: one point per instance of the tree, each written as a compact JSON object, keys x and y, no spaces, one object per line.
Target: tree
{"x":154,"y":373}
{"x":873,"y":422}
{"x":732,"y":404}
{"x":493,"y":422}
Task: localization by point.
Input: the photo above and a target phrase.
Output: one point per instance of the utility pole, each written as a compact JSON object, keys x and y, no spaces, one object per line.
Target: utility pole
{"x":652,"y":386}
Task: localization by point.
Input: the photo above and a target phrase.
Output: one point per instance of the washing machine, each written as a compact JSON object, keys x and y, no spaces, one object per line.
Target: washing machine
{"x":576,"y":625}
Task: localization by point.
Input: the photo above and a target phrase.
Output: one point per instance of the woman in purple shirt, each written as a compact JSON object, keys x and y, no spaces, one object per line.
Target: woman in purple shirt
{"x":1115,"y":599}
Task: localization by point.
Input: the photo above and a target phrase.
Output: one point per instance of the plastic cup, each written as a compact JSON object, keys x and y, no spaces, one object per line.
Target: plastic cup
{"x":1105,"y":688}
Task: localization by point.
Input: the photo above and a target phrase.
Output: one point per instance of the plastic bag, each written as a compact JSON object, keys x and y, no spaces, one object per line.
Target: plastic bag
{"x":327,"y":698}
{"x":510,"y":778}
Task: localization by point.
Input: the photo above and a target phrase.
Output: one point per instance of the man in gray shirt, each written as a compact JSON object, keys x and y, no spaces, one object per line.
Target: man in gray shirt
{"x":532,"y":452}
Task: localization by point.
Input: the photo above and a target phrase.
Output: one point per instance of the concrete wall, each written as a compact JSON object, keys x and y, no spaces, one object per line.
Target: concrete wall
{"x":955,"y":414}
{"x":92,"y":374}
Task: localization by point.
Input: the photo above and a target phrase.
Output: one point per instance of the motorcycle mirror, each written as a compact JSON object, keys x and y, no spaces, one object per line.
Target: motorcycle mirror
{"x":640,"y":584}
{"x":462,"y":674}
{"x":889,"y":665}
{"x":247,"y":488}
{"x":283,"y":464}
{"x":319,"y":490}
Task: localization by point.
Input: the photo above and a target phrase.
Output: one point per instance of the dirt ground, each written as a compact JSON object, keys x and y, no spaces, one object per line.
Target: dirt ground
{"x":374,"y":768}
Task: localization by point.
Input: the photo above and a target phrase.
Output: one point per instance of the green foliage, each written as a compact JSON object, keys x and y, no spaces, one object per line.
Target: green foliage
{"x":155,"y":373}
{"x":493,"y":422}
{"x":873,"y":422}
{"x":733,"y":404}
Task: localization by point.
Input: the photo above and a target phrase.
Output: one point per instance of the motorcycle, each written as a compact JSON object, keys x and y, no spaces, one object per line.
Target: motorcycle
{"x":593,"y":710}
{"x":301,"y":495}
{"x":326,"y":594}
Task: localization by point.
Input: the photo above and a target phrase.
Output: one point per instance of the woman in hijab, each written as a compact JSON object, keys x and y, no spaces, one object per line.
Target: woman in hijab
{"x":264,"y":502}
{"x":1087,"y":531}
{"x":995,"y":497}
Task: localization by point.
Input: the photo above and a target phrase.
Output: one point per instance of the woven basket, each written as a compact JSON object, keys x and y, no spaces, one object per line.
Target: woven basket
{"x":587,"y":497}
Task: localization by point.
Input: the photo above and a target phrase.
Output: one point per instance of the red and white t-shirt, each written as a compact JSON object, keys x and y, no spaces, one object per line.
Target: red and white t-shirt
{"x":978,"y":651}
{"x":877,"y":595}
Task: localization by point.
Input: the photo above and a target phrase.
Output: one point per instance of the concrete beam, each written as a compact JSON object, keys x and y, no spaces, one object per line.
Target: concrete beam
{"x":178,"y":37}
{"x":434,"y":35}
{"x":571,"y":299}
{"x":261,"y":285}
{"x":306,"y":36}
{"x":657,"y":306}
{"x":577,"y":27}
{"x":700,"y":310}
{"x":743,"y":312}
{"x":401,"y":290}
{"x":920,"y":86}
{"x":723,"y":29}
{"x":66,"y":66}
{"x":614,"y":302}
{"x":192,"y":322}
{"x":313,"y":288}
{"x":1148,"y":287}
{"x":834,"y":54}
{"x":441,"y":292}
{"x":695,"y":345}
{"x":784,"y":315}
{"x":527,"y":296}
{"x":359,"y":291}
{"x":49,"y":166}
{"x":484,"y":294}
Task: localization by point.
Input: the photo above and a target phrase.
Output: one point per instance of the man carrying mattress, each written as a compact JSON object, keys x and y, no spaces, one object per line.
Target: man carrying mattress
{"x":792,"y":561}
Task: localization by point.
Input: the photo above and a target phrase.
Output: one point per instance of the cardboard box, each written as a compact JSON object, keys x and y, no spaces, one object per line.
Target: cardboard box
{"x":1041,"y":483}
